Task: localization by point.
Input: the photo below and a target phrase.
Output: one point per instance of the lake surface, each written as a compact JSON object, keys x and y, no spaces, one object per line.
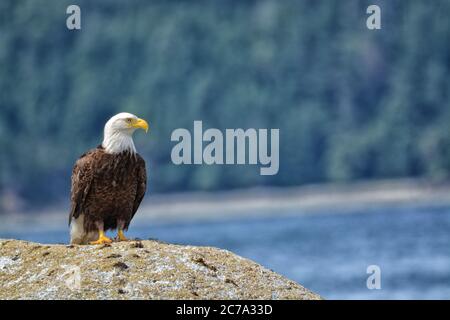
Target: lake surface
{"x":327,"y":253}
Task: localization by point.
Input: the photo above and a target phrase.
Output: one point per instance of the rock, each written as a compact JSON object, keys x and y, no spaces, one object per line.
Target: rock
{"x":136,"y":270}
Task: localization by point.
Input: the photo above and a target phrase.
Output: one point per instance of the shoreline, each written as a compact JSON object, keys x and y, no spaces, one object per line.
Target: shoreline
{"x":258,"y":202}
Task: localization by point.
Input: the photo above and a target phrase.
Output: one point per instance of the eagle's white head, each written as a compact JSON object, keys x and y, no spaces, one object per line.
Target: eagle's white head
{"x":118,"y":134}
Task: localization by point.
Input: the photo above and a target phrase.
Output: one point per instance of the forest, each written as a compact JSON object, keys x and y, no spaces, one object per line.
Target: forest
{"x":350,"y":103}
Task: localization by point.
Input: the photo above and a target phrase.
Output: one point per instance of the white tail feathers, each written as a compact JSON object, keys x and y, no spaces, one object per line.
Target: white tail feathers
{"x":78,"y":234}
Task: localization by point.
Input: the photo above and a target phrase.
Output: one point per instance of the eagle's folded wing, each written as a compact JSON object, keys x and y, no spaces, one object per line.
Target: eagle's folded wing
{"x":82,"y":177}
{"x":142,"y":184}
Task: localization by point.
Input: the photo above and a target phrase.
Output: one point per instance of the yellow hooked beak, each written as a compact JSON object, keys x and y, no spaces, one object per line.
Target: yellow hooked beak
{"x":140,"y":124}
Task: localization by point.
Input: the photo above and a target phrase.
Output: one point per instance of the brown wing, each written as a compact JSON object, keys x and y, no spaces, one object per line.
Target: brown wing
{"x":82,"y":177}
{"x":142,"y":184}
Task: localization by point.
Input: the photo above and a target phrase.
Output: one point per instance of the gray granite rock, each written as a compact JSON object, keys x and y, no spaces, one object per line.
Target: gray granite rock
{"x":136,"y":270}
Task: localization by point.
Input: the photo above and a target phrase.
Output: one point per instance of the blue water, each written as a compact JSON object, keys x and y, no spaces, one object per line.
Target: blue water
{"x":328,"y":253}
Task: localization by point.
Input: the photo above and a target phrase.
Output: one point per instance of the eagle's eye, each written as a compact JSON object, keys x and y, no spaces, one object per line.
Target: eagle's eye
{"x":129,"y":120}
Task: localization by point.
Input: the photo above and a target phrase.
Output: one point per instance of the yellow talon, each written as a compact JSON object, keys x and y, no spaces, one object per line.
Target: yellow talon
{"x":102,"y":239}
{"x":121,"y":236}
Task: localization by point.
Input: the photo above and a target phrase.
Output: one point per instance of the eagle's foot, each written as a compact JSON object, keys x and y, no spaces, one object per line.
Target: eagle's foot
{"x":102,"y":239}
{"x":121,"y":236}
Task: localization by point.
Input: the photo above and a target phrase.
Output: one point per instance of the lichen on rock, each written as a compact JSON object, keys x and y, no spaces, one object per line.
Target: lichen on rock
{"x":136,"y":270}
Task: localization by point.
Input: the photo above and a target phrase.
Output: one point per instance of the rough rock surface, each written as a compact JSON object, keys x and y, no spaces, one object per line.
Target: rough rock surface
{"x":136,"y":270}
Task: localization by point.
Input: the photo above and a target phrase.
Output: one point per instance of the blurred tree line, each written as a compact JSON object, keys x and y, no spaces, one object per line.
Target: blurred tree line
{"x":350,"y":103}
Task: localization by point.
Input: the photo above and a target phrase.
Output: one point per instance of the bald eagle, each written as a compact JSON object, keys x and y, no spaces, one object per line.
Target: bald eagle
{"x":108,"y":184}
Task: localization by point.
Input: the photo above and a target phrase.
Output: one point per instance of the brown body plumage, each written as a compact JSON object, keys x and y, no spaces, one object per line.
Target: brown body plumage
{"x":107,"y":187}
